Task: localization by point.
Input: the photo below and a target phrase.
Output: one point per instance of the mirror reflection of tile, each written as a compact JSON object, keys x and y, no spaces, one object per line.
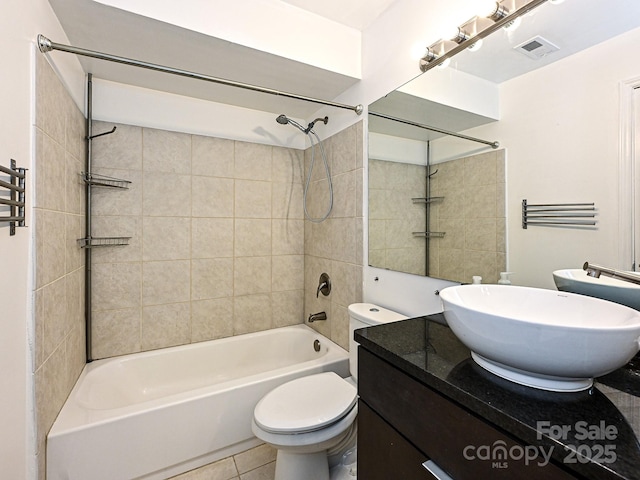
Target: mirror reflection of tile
{"x":471,"y":214}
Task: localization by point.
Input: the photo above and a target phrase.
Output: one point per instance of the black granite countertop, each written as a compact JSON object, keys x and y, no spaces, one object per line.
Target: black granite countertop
{"x":597,"y":421}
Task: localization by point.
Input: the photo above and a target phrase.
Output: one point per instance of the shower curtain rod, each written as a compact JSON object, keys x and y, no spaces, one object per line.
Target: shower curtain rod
{"x":494,"y":145}
{"x":45,"y":45}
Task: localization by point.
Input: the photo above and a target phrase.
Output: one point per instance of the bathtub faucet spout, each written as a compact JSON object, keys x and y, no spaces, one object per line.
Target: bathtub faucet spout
{"x":314,"y":317}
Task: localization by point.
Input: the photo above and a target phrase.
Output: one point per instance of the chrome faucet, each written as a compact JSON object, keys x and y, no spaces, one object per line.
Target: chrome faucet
{"x":314,"y":317}
{"x":596,"y":270}
{"x":324,"y":285}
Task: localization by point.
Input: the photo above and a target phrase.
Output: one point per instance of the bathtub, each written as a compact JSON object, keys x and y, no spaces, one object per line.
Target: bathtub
{"x":156,"y":414}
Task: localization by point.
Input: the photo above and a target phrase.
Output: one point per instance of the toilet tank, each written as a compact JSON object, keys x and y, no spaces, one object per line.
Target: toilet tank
{"x":363,"y":315}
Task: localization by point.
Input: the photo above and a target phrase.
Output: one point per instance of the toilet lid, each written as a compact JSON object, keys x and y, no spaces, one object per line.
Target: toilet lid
{"x":305,"y":404}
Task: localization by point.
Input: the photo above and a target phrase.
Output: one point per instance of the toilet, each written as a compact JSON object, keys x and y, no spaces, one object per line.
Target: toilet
{"x":311,"y":420}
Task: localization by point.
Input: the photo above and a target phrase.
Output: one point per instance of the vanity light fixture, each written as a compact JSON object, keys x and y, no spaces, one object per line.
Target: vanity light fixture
{"x":431,"y":55}
{"x":495,"y":11}
{"x":503,"y":13}
{"x":458,"y":35}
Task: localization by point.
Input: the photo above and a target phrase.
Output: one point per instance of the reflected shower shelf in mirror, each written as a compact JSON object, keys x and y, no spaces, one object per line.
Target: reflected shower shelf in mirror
{"x":427,"y":199}
{"x":93,"y":242}
{"x":429,"y":234}
{"x":97,"y":180}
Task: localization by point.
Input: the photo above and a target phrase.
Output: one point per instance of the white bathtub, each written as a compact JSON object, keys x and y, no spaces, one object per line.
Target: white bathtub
{"x":156,"y":414}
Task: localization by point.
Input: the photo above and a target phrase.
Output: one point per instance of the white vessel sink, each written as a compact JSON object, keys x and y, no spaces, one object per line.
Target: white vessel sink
{"x":542,"y":338}
{"x":607,"y":288}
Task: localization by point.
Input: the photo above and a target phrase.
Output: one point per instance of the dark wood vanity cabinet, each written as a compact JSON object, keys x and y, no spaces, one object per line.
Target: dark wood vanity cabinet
{"x":386,"y":451}
{"x":403,"y":423}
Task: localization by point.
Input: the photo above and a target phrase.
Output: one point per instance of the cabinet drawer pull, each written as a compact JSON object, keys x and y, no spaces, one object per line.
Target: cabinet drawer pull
{"x":435,"y":470}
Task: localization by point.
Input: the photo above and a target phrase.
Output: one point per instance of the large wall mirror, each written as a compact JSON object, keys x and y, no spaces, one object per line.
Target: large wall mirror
{"x":439,"y":205}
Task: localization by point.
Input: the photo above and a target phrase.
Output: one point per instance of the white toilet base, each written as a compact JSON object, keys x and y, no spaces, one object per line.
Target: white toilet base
{"x":295,"y":466}
{"x":309,"y":456}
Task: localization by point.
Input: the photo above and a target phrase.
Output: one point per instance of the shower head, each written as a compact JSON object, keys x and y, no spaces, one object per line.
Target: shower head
{"x":283,"y":120}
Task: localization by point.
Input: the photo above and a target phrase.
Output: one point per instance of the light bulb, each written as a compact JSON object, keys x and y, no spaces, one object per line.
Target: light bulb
{"x":417,"y":51}
{"x":487,"y":8}
{"x":450,"y":33}
{"x":556,"y":2}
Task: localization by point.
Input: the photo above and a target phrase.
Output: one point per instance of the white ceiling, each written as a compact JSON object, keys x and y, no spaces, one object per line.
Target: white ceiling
{"x":358,"y":14}
{"x":573,"y":26}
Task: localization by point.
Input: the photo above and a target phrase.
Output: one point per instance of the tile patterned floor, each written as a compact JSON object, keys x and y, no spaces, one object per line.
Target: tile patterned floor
{"x":255,"y":464}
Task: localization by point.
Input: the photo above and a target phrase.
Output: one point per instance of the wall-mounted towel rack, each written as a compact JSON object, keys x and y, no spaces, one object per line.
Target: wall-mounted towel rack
{"x":15,"y":202}
{"x":558,"y":214}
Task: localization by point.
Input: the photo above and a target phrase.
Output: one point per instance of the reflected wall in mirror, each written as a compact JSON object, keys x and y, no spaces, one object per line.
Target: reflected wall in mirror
{"x":393,"y":216}
{"x":472,"y":216}
{"x":446,"y":220}
{"x":555,"y":119}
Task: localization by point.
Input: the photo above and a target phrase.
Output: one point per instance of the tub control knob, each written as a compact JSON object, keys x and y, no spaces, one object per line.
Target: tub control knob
{"x":324,"y":285}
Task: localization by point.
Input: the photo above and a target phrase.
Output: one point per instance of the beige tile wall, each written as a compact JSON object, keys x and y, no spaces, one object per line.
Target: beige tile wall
{"x":335,"y":245}
{"x":393,"y":217}
{"x":217,"y":239}
{"x":59,"y":269}
{"x":472,"y":214}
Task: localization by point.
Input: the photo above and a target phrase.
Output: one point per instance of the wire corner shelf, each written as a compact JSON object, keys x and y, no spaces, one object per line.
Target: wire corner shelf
{"x":97,"y":180}
{"x":427,"y":199}
{"x":429,"y":234}
{"x":92,"y":242}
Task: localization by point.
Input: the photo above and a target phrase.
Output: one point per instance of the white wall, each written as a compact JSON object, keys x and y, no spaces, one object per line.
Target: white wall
{"x":120,"y":103}
{"x":397,"y":149}
{"x":20,"y":22}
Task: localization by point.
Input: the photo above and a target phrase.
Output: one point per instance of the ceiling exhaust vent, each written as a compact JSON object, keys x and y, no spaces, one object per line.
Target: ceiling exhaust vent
{"x":536,"y":47}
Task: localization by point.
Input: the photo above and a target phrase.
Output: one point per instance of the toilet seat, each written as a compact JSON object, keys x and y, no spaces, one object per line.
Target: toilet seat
{"x":306,"y":404}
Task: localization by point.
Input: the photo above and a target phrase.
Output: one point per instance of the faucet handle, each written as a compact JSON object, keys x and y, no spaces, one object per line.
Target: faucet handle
{"x":324,"y":285}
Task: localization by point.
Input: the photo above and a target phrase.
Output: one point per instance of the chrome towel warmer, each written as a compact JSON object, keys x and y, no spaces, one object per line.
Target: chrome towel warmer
{"x":15,"y":202}
{"x":558,"y":214}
